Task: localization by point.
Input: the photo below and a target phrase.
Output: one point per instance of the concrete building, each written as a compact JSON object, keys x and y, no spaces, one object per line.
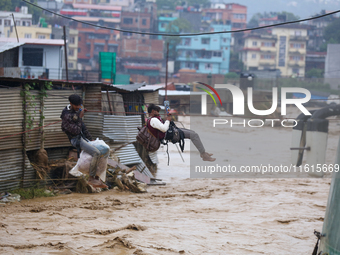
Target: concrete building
{"x":332,"y":66}
{"x":72,"y":44}
{"x":206,"y":53}
{"x":123,"y":3}
{"x":284,"y":49}
{"x":163,"y":23}
{"x":141,"y":56}
{"x":31,"y":58}
{"x":21,"y":18}
{"x":33,"y":32}
{"x":236,"y":14}
{"x":142,"y":17}
{"x":92,"y":40}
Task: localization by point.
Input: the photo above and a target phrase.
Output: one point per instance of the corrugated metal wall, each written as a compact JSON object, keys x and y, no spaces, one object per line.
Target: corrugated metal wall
{"x":11,"y":121}
{"x":151,"y":97}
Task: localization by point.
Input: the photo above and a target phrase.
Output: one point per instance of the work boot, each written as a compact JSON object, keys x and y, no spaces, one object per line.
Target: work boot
{"x":207,"y":157}
{"x":95,"y":182}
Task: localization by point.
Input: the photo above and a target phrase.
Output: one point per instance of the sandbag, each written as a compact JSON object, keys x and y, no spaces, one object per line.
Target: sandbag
{"x":83,"y":164}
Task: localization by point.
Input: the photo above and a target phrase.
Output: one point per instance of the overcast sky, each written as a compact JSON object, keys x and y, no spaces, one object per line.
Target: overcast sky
{"x":302,"y":8}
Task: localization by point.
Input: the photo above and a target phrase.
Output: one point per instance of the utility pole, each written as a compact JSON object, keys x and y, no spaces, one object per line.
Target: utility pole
{"x":65,"y":50}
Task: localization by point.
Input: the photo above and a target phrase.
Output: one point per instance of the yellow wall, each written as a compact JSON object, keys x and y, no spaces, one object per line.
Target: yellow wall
{"x":29,"y":32}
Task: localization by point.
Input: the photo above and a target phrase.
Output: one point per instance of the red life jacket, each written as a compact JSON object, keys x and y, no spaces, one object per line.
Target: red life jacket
{"x":154,"y":131}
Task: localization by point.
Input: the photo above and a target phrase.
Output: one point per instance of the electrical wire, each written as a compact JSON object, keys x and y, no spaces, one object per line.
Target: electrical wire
{"x":181,"y":35}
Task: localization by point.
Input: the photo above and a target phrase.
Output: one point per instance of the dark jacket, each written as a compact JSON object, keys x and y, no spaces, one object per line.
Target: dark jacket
{"x":72,"y":124}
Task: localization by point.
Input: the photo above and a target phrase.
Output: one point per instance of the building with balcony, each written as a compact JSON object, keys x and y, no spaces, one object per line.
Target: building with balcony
{"x":21,"y":18}
{"x":33,"y":32}
{"x":206,"y":53}
{"x":284,"y":49}
{"x":123,"y":3}
{"x":92,"y":40}
{"x":31,"y":58}
{"x":142,"y":17}
{"x":235,"y":14}
{"x":163,"y":23}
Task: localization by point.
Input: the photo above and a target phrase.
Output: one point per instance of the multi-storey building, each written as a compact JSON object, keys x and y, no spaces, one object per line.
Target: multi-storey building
{"x":34,"y":32}
{"x":236,"y":14}
{"x":92,"y":40}
{"x":143,"y":18}
{"x":124,"y":3}
{"x":206,"y":53}
{"x":163,"y":23}
{"x":21,"y":18}
{"x":284,"y":49}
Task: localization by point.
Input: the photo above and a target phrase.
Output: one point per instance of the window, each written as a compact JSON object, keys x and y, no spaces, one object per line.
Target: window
{"x":217,"y":54}
{"x":296,"y":58}
{"x":205,"y":40}
{"x":128,"y":21}
{"x":28,"y":35}
{"x":206,"y":54}
{"x":254,"y":43}
{"x":186,"y":41}
{"x":7,"y":23}
{"x":268,"y":44}
{"x":239,"y":16}
{"x":72,"y":40}
{"x":79,"y":38}
{"x":0,"y":22}
{"x":267,"y":56}
{"x":296,"y":70}
{"x":70,"y":65}
{"x":144,"y":22}
{"x":79,"y":50}
{"x":163,"y":25}
{"x":253,"y":56}
{"x":224,"y":40}
{"x":32,"y":56}
{"x":297,"y":45}
{"x":17,"y":22}
{"x":196,"y":66}
{"x":28,"y":23}
{"x":41,"y":37}
{"x":208,"y":66}
{"x":71,"y":52}
{"x":297,"y":33}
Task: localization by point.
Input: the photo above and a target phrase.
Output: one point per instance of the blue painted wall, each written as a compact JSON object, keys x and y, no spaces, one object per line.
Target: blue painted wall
{"x":206,"y":53}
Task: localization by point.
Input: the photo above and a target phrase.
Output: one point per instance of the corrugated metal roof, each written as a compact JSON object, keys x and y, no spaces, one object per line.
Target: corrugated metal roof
{"x":121,"y":129}
{"x":130,"y":87}
{"x":152,"y":87}
{"x":127,"y":155}
{"x":153,"y":157}
{"x":4,"y":46}
{"x":33,"y":41}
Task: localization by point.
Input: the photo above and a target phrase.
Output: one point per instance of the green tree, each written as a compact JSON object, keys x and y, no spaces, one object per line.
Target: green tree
{"x":315,"y":73}
{"x":254,"y":21}
{"x":5,"y":5}
{"x":10,"y":5}
{"x":332,"y":33}
{"x":176,"y":27}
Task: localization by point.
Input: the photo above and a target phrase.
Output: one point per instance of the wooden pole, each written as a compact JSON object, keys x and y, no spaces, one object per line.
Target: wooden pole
{"x":108,"y":99}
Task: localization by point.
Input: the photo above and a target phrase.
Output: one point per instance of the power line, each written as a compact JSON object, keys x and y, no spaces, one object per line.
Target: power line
{"x":190,"y":34}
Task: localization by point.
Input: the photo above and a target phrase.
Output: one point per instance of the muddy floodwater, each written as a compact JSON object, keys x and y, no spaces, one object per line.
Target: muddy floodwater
{"x":187,"y":216}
